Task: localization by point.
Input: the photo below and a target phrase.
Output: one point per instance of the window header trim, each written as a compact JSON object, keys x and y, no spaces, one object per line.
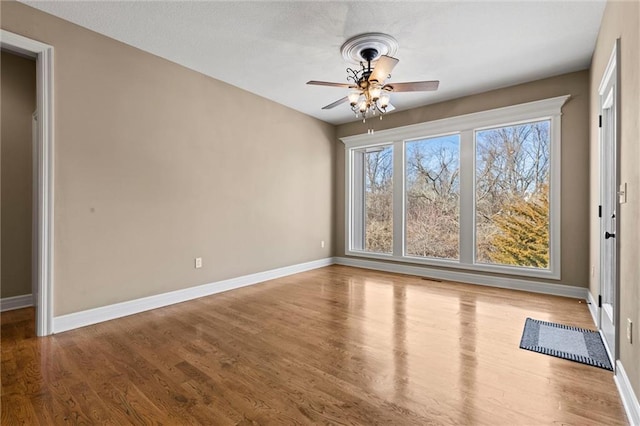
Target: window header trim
{"x":521,"y":112}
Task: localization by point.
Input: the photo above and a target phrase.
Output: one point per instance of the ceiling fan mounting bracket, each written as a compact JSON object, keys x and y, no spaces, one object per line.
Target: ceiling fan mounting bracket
{"x":361,"y":46}
{"x":369,"y":53}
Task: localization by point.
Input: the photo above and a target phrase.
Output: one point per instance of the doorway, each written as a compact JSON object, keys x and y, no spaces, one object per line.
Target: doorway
{"x":19,"y":100}
{"x":43,"y":257}
{"x":610,"y":201}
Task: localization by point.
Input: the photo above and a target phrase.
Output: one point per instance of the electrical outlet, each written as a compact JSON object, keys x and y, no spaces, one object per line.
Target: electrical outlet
{"x":321,"y":244}
{"x":198,"y":262}
{"x":629,"y":330}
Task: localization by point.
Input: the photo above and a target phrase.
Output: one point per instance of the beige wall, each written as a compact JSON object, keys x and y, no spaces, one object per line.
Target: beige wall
{"x":575,"y":157}
{"x":621,"y":20}
{"x":156,"y":164}
{"x":18,"y":105}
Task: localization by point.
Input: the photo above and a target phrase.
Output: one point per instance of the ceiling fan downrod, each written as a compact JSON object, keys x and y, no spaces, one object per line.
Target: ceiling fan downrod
{"x":369,"y":54}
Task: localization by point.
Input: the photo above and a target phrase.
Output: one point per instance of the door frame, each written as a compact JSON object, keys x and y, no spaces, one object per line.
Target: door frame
{"x":43,"y":54}
{"x":35,"y":147}
{"x":612,"y":71}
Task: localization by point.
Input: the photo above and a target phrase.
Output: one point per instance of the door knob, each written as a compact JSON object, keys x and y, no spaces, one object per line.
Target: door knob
{"x":608,"y":235}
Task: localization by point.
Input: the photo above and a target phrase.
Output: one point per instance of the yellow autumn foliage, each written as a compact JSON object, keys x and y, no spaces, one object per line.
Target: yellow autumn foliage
{"x":523,"y":237}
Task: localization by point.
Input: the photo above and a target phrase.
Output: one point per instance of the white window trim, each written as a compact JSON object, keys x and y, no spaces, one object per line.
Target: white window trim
{"x":465,"y":125}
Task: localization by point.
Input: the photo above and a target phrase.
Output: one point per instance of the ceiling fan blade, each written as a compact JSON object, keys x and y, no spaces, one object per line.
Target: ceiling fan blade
{"x":414,"y":86}
{"x":389,"y":108}
{"x":383,"y":68}
{"x":328,"y":83}
{"x":336,"y":103}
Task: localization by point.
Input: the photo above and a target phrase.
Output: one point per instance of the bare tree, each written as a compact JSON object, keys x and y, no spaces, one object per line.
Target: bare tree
{"x":511,"y":177}
{"x":432,"y":187}
{"x":379,"y":200}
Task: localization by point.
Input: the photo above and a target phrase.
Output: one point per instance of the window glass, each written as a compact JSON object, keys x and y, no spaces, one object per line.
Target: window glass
{"x":512,"y":195}
{"x":378,"y":199}
{"x":432,"y":185}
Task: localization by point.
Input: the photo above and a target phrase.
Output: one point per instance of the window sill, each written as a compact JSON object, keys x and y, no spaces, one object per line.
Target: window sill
{"x":454,"y":264}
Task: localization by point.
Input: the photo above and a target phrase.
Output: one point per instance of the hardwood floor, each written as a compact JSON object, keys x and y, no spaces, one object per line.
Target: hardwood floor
{"x":335,"y":345}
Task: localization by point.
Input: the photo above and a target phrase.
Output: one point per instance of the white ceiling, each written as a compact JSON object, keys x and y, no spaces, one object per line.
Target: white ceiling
{"x":273,"y":48}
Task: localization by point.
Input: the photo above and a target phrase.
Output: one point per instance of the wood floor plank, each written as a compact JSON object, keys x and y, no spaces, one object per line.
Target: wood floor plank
{"x":336,"y":345}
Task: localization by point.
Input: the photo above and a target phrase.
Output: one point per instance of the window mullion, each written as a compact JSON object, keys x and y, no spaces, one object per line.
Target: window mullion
{"x":398,"y":198}
{"x":554,"y":193}
{"x":357,"y":206}
{"x":467,"y":185}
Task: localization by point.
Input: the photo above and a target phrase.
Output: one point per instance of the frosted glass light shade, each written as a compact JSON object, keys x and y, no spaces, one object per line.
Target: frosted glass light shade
{"x":374,"y":92}
{"x":353,"y":97}
{"x":385,"y":97}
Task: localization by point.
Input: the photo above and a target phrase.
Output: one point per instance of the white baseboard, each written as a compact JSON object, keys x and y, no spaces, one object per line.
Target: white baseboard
{"x":117,"y":310}
{"x":593,"y":308}
{"x":16,"y":302}
{"x":468,"y":277}
{"x":105,"y":313}
{"x":629,"y":398}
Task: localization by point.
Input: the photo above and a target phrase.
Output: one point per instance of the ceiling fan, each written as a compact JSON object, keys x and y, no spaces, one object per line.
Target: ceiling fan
{"x":370,"y":95}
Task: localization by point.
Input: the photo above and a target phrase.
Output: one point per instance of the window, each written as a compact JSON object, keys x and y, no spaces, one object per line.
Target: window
{"x":512,"y":195}
{"x":479,"y":191}
{"x":378,"y":199}
{"x":432,"y":182}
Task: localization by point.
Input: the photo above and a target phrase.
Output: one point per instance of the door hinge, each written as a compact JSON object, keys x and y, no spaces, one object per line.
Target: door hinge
{"x":599,"y":301}
{"x":600,"y":121}
{"x":600,"y":211}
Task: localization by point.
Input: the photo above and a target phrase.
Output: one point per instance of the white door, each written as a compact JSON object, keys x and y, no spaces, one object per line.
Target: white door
{"x":609,"y":200}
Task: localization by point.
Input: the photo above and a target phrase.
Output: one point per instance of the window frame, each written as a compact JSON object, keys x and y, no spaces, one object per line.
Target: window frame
{"x":358,"y":188}
{"x":466,"y":126}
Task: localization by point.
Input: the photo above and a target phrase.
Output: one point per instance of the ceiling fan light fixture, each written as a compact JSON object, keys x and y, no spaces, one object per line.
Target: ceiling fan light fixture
{"x":369,"y":94}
